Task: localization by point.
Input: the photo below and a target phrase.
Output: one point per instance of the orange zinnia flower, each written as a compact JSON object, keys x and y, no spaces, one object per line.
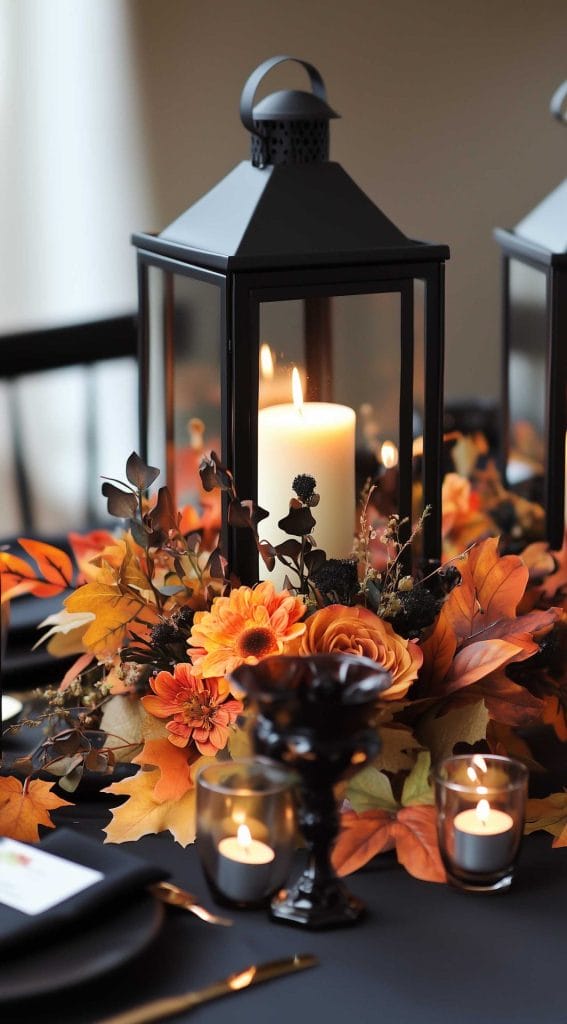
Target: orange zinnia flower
{"x":338,"y":629}
{"x":243,"y":628}
{"x":198,"y":708}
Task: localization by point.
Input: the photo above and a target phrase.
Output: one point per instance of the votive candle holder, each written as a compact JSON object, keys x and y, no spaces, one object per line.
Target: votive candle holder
{"x":480,"y":802}
{"x":246,"y":829}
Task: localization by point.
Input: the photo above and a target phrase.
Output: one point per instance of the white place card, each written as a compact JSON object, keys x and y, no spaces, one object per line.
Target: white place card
{"x":32,"y":880}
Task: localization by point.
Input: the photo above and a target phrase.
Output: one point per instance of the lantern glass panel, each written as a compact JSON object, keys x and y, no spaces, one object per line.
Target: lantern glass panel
{"x":347,"y":351}
{"x":156,"y":400}
{"x":196,"y":381}
{"x":527,"y":380}
{"x":184,"y":401}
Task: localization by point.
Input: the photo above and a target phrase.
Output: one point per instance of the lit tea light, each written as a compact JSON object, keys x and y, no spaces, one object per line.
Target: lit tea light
{"x":244,"y":866}
{"x":484,"y":837}
{"x":389,"y":455}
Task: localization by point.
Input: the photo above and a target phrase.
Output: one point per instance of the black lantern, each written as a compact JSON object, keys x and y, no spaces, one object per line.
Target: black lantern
{"x":534,"y":353}
{"x":288,"y":260}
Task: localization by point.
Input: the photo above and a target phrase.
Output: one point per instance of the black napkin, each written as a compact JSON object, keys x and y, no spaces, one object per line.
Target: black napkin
{"x":124,"y":876}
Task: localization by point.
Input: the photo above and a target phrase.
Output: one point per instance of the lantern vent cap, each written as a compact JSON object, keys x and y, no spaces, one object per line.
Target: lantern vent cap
{"x":293,"y":105}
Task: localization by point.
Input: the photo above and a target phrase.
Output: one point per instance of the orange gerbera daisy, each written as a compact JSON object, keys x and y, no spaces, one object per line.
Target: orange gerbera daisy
{"x":198,"y":708}
{"x":243,"y":628}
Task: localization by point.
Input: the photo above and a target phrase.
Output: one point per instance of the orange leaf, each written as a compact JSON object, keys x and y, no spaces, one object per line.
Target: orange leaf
{"x":554,"y":714}
{"x":417,"y":847}
{"x":175,"y":777}
{"x":77,"y":667}
{"x":509,"y":703}
{"x":362,"y":836}
{"x":521,"y":628}
{"x":499,"y":581}
{"x":476,"y":661}
{"x":54,"y":564}
{"x":491,"y":588}
{"x":24,"y":807}
{"x":438,"y":651}
{"x":143,"y":815}
{"x":17,"y":577}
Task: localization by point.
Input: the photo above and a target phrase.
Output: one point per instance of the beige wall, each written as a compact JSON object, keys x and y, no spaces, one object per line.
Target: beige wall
{"x":444,"y":120}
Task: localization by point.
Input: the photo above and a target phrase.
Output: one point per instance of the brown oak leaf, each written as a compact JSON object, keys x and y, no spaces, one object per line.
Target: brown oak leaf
{"x":25,"y":806}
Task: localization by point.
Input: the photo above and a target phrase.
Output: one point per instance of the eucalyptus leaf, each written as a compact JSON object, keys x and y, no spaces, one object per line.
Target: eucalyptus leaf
{"x":139,"y":474}
{"x":122,"y":504}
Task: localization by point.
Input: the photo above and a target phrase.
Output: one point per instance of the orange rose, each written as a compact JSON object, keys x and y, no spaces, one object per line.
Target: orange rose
{"x":341,"y":630}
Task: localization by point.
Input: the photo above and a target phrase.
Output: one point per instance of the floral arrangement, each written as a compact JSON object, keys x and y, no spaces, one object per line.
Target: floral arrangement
{"x":476,"y":651}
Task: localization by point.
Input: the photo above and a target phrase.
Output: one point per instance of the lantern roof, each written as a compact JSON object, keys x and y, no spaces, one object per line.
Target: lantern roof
{"x":293,"y":105}
{"x":542,"y":234}
{"x":288,"y":215}
{"x":290,"y":207}
{"x":546,"y":225}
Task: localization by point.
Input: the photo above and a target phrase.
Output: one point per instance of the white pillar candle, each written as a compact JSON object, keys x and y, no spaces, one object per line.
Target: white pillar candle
{"x":484,"y":839}
{"x":315,"y":438}
{"x":245,"y":867}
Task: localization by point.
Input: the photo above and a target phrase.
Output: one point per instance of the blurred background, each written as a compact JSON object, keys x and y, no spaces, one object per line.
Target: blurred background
{"x":116,"y":115}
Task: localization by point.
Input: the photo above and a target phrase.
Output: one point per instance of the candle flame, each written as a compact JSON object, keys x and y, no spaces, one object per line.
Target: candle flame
{"x":266,"y":362}
{"x":483,"y":810}
{"x":389,"y":454}
{"x":472,"y":774}
{"x":480,"y":762}
{"x":244,"y":837}
{"x":296,"y":389}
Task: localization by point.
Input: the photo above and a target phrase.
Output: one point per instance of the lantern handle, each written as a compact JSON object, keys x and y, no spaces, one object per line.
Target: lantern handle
{"x":558,"y":105}
{"x":249,"y":90}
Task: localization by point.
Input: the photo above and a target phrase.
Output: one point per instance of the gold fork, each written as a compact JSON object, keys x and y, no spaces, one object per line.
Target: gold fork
{"x":171,"y":894}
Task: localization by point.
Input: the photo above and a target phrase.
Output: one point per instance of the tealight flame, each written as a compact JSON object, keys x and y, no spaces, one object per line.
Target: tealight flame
{"x":480,"y":762}
{"x":472,"y":774}
{"x":266,"y":362}
{"x":389,"y":454}
{"x":244,"y":837}
{"x":483,"y":810}
{"x":296,"y":389}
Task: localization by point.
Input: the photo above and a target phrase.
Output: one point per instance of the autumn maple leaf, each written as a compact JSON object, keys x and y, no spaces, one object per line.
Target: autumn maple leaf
{"x":25,"y":806}
{"x":378,"y":823}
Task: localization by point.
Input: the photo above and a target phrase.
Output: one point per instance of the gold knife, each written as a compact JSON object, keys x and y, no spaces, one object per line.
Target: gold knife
{"x":171,"y":894}
{"x":253,"y":975}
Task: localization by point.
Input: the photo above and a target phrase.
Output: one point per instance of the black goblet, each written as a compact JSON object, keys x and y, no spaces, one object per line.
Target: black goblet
{"x":316,"y":715}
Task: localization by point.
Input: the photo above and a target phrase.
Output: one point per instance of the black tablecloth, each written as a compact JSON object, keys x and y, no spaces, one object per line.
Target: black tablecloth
{"x":424,"y":955}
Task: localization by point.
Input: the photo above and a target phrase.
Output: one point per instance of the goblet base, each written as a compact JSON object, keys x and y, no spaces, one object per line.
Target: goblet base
{"x":317,"y":908}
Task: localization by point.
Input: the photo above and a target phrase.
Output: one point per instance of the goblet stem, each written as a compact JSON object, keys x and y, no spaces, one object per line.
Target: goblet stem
{"x":318,"y":899}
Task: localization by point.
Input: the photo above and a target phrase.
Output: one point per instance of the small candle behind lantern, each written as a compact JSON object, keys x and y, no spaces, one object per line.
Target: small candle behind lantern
{"x":480,"y":806}
{"x":245,"y":829}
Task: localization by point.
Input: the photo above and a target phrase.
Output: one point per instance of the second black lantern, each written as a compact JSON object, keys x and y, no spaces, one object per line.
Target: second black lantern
{"x":287,"y":263}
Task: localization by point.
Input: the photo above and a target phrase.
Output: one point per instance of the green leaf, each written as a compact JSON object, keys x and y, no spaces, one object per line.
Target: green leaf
{"x":371,"y":789}
{"x":417,"y":787}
